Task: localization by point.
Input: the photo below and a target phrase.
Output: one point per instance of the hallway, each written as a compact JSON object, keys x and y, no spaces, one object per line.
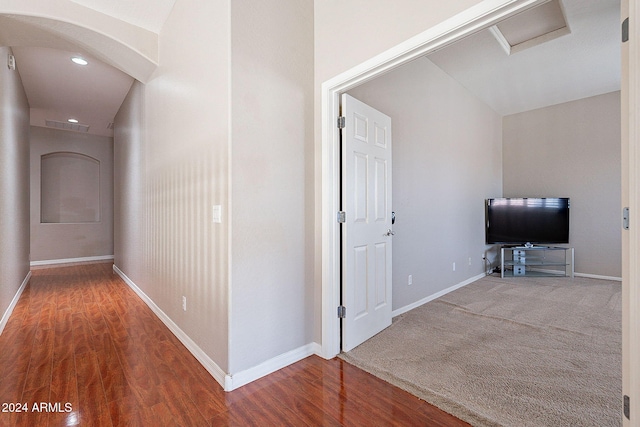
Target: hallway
{"x":82,"y":342}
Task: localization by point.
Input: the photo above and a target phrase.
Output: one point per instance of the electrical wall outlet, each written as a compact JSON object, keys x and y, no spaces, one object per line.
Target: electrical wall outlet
{"x":184,"y":303}
{"x":469,"y":260}
{"x":454,"y":266}
{"x":410,"y":280}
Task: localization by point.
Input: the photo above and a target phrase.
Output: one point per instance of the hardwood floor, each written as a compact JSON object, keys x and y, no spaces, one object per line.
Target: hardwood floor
{"x":82,"y":349}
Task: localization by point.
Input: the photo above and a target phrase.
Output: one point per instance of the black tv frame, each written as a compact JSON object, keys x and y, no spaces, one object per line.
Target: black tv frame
{"x":527,"y":221}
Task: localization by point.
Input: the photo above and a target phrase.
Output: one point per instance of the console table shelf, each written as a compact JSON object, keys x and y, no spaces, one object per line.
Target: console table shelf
{"x":536,"y":261}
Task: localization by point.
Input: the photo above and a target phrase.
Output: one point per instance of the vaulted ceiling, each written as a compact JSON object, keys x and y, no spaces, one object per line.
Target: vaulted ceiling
{"x":585,"y":62}
{"x":582,"y":61}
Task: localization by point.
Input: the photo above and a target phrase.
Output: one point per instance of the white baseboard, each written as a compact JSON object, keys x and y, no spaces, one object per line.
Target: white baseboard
{"x":596,"y":276}
{"x":423,"y":301}
{"x":228,"y":381}
{"x":216,"y":372}
{"x":71,"y":260}
{"x":559,"y":273}
{"x":14,"y":301}
{"x":473,"y":279}
{"x":245,"y":377}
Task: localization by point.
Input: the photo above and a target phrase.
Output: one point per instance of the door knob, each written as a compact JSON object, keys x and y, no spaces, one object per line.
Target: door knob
{"x":389,"y":233}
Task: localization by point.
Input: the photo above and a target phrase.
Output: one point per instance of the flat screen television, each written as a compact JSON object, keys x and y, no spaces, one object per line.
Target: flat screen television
{"x":527,"y":221}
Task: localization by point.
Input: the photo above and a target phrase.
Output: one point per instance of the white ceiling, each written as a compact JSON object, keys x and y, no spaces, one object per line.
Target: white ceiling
{"x":147,"y":14}
{"x":58,"y":89}
{"x":584,"y":63}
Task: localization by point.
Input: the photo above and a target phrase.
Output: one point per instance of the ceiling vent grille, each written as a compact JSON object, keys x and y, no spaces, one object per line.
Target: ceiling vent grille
{"x":110,"y":126}
{"x":67,"y":126}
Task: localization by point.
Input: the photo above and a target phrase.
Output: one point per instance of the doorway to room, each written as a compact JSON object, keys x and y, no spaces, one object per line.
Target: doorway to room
{"x":450,"y":31}
{"x":343,"y":83}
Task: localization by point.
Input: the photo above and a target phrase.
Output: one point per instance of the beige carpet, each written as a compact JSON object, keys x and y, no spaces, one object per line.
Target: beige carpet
{"x":510,"y":352}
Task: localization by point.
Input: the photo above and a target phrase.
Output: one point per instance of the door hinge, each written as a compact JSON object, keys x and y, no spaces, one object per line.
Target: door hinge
{"x":625,"y":30}
{"x":342,"y":312}
{"x":625,"y":407}
{"x":625,"y":218}
{"x":342,"y":217}
{"x":11,"y":62}
{"x":342,"y":122}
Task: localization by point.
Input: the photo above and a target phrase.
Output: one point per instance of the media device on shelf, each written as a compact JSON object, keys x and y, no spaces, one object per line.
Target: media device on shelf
{"x":527,"y":221}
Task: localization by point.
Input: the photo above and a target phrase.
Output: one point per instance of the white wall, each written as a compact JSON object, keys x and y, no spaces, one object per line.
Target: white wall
{"x":573,"y":150}
{"x":55,"y":241}
{"x":447,"y":158}
{"x":14,"y":183}
{"x":171,"y":141}
{"x":349,"y":32}
{"x":272,"y":179}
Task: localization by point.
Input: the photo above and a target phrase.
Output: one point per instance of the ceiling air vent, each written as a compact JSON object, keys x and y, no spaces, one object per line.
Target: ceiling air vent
{"x":67,"y":126}
{"x":110,"y":126}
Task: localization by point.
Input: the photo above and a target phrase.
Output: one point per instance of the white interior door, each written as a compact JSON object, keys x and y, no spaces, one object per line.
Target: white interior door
{"x":366,"y":232}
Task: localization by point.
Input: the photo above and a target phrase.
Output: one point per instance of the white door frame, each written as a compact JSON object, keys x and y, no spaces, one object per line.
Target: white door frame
{"x":482,"y":15}
{"x":631,"y":274}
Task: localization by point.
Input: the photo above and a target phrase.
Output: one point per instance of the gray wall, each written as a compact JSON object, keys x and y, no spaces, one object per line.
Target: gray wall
{"x":171,"y":156}
{"x":56,"y":241}
{"x":128,"y":176}
{"x":573,"y":150}
{"x":248,"y":280}
{"x":272,"y":181}
{"x":451,"y":151}
{"x":446,"y":160}
{"x":14,"y":183}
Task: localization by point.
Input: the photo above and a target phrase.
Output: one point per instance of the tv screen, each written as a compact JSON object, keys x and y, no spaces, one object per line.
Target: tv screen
{"x":528,"y":220}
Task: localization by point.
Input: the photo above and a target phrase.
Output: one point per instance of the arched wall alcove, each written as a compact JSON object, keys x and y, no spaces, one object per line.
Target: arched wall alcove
{"x":69,"y":188}
{"x":71,"y":195}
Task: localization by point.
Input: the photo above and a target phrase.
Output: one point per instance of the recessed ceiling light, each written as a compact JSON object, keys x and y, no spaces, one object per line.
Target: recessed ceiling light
{"x":79,"y":61}
{"x":72,"y":120}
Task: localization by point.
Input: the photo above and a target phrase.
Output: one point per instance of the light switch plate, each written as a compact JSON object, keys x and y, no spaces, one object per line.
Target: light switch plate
{"x":217,"y":214}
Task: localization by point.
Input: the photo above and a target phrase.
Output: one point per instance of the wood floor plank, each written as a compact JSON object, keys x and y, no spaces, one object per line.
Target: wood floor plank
{"x":11,"y":388}
{"x":297,"y":406}
{"x":84,"y":345}
{"x":114,"y":380}
{"x":93,"y":408}
{"x":180,"y":405}
{"x":64,"y":389}
{"x":126,"y":412}
{"x":40,"y":363}
{"x":47,"y":315}
{"x":158,"y":415}
{"x":38,"y":415}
